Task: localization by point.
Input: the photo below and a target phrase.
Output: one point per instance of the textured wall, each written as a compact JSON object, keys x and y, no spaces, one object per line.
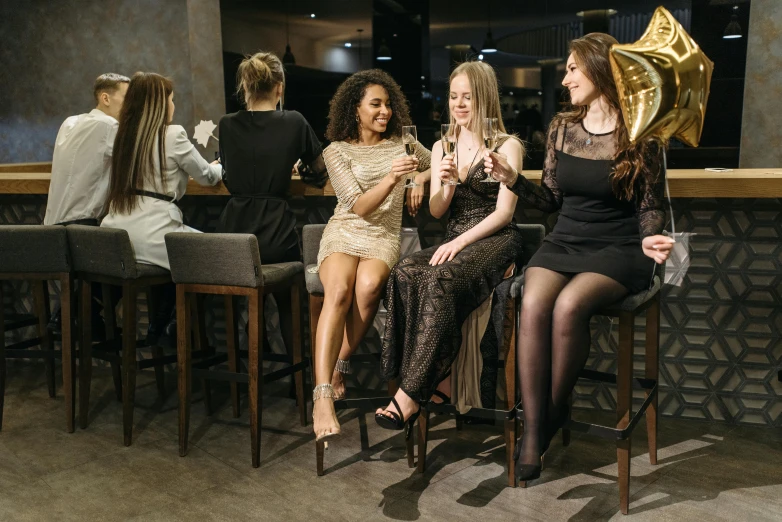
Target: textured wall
{"x":761,"y":134}
{"x":51,"y":53}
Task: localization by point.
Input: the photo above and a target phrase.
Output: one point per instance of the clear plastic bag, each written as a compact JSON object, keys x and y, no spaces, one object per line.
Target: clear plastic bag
{"x":679,"y":261}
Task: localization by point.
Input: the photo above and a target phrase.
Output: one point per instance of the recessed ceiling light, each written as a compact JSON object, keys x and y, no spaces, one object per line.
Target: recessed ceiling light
{"x":312,"y":15}
{"x":348,"y":44}
{"x":480,"y":57}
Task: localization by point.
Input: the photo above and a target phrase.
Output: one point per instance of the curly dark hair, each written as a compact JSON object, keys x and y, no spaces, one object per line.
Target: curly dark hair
{"x":342,"y":107}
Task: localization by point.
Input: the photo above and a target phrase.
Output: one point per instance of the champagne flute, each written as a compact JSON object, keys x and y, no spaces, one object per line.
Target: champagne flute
{"x":409,"y":140}
{"x":490,"y":132}
{"x":448,"y":138}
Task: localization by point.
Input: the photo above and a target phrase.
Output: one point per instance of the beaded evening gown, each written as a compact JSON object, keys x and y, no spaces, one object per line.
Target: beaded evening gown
{"x":428,"y":304}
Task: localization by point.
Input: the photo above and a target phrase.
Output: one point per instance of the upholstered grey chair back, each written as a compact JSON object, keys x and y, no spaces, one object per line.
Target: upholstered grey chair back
{"x":532,"y":237}
{"x":102,"y":251}
{"x":34,"y":248}
{"x":214,"y":259}
{"x":311,"y":235}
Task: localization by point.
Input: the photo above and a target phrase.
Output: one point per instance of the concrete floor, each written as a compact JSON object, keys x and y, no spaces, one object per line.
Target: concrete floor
{"x":706,"y":472}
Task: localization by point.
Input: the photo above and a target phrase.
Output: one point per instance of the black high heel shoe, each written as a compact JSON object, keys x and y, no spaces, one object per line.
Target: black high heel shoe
{"x":397,"y":420}
{"x":526,"y":472}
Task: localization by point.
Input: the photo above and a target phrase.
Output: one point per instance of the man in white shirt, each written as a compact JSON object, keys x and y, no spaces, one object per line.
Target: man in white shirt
{"x":81,"y":167}
{"x":82,"y":157}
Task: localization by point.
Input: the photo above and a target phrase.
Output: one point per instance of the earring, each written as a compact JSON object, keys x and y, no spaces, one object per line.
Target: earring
{"x":357,"y":117}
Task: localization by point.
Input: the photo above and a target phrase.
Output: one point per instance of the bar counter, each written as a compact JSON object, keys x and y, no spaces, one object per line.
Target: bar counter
{"x":33,"y":178}
{"x":721,"y":331}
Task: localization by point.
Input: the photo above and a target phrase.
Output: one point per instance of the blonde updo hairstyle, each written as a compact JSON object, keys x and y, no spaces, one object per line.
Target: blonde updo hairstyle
{"x":258,"y":76}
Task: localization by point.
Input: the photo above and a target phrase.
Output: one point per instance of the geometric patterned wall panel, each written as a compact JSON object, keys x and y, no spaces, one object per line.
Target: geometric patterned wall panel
{"x":720,"y":345}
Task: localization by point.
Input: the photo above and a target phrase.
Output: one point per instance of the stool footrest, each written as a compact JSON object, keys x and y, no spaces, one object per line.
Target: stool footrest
{"x":479,"y":413}
{"x":20,"y":321}
{"x":21,"y":345}
{"x":15,"y":353}
{"x":638,"y":382}
{"x":615,"y":433}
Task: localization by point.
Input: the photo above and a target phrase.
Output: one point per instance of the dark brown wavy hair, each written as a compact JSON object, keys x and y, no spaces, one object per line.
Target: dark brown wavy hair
{"x":343,"y":125}
{"x":143,"y":121}
{"x":631,"y":167}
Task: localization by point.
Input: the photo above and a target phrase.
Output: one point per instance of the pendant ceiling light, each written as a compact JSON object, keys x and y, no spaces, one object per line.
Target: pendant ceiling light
{"x":288,"y":58}
{"x":733,"y":29}
{"x":489,"y":45}
{"x":383,"y":52}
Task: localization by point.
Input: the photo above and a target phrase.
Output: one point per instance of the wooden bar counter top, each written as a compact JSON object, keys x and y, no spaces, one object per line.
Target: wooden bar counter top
{"x":33,"y":178}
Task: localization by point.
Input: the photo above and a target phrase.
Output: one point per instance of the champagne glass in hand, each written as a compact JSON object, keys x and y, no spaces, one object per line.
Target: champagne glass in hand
{"x":490,"y":133}
{"x":410,"y":140}
{"x":448,"y":138}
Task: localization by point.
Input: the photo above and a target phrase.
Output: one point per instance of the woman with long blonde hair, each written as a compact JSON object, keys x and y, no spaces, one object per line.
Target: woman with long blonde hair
{"x":150,"y":167}
{"x":431,"y":293}
{"x":605,"y":243}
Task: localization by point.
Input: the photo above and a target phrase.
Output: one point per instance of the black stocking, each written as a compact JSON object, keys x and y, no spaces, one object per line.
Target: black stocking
{"x":581,"y":298}
{"x":554,"y":344}
{"x":533,"y":355}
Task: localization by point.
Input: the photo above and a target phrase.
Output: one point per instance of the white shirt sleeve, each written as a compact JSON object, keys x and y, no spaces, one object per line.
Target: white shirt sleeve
{"x":189,"y":160}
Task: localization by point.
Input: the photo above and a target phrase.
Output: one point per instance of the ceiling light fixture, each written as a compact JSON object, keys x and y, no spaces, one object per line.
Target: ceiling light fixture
{"x":288,"y":58}
{"x":312,"y":15}
{"x":733,"y":29}
{"x":489,"y":45}
{"x":383,"y":52}
{"x":348,"y":44}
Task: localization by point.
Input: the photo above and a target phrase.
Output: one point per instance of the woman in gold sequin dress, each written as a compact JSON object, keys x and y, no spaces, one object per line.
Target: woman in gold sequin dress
{"x":431,"y":293}
{"x":367,"y":166}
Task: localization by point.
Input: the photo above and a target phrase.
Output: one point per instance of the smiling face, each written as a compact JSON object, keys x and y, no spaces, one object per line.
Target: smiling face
{"x":460,"y":100}
{"x":374,"y":111}
{"x":582,"y":90}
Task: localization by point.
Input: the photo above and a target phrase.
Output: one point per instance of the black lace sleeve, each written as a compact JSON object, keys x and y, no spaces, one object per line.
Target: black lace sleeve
{"x":546,"y":196}
{"x":315,"y":172}
{"x":650,"y":203}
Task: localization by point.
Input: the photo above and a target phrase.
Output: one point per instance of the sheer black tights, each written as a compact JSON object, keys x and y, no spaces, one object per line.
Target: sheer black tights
{"x":553,"y":345}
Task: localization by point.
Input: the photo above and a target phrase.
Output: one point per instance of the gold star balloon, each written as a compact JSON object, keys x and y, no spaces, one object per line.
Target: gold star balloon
{"x":663,"y":82}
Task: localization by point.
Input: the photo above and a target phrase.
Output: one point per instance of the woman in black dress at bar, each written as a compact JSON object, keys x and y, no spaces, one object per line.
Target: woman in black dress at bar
{"x":258,"y":149}
{"x":605,"y":243}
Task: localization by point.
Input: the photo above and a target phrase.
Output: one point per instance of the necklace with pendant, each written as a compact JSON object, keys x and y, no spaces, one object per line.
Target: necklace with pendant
{"x":589,"y":139}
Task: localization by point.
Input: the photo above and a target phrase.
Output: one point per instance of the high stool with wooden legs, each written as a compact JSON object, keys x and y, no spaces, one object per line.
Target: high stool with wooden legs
{"x":230,"y":265}
{"x":311,"y":235}
{"x":647,"y":303}
{"x":38,"y":254}
{"x":532,"y":239}
{"x":105,"y":255}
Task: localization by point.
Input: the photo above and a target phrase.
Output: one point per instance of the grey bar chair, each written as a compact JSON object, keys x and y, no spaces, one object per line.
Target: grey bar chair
{"x":105,"y":255}
{"x":38,"y":254}
{"x":230,"y":265}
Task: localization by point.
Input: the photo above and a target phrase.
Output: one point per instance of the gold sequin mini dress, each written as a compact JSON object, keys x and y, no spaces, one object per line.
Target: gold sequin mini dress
{"x":353,"y":170}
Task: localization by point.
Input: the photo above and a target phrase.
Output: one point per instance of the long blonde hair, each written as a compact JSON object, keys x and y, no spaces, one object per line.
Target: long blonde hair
{"x":142,"y":127}
{"x":258,"y":75}
{"x":485,"y":95}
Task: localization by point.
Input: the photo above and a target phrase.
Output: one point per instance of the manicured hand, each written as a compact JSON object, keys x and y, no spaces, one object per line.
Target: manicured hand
{"x":658,"y":247}
{"x":446,"y":252}
{"x":401,"y":167}
{"x":496,"y":165}
{"x":415,"y":196}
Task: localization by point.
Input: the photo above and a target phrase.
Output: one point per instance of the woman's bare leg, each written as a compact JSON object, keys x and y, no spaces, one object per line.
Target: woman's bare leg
{"x":371,"y":277}
{"x":338,"y":275}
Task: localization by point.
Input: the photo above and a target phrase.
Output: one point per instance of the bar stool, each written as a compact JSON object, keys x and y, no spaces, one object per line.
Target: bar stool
{"x":532,"y":239}
{"x":626,"y":310}
{"x":311,"y":236}
{"x":195,"y":271}
{"x":105,"y":255}
{"x":38,"y":254}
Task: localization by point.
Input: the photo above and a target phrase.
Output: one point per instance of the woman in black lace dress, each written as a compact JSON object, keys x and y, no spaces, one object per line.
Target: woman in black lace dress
{"x":605,"y":243}
{"x":431,"y":292}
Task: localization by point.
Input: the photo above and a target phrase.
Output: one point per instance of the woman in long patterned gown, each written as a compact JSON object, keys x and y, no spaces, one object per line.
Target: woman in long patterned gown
{"x":431,"y":292}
